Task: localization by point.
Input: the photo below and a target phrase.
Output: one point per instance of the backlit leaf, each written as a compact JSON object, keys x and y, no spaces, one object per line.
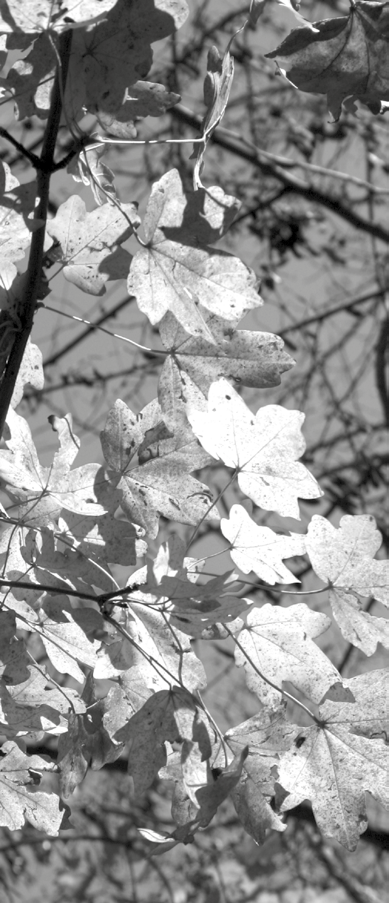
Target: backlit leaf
{"x":57,"y":15}
{"x":42,"y":492}
{"x":90,"y":242}
{"x":150,"y":468}
{"x":19,"y":797}
{"x":344,"y":558}
{"x":334,"y":762}
{"x":262,"y":448}
{"x":177,"y":271}
{"x":278,"y":643}
{"x":242,"y":356}
{"x":259,"y":549}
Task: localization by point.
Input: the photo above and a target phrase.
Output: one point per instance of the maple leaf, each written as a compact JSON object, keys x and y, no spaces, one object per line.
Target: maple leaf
{"x":108,"y":540}
{"x":168,"y":715}
{"x":141,"y":99}
{"x":246,"y":357}
{"x":261,"y":447}
{"x":344,"y":558}
{"x":67,"y":635}
{"x":86,"y":744}
{"x":277,"y":644}
{"x":169,"y":584}
{"x":150,"y":468}
{"x":203,"y":778}
{"x":57,"y":15}
{"x":345,"y":58}
{"x":259,"y":549}
{"x":254,"y":810}
{"x":42,"y":492}
{"x":117,"y":52}
{"x":215,"y":789}
{"x":51,"y":565}
{"x":345,"y":754}
{"x":154,"y":655}
{"x":28,"y":699}
{"x":202,"y":610}
{"x":177,"y":271}
{"x":19,"y":797}
{"x":89,"y":242}
{"x":265,"y":735}
{"x":113,"y":55}
{"x":30,"y":373}
{"x":16,"y":207}
{"x":105,"y":59}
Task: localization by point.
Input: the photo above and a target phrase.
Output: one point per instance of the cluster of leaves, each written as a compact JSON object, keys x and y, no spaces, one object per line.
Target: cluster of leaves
{"x":67,"y":528}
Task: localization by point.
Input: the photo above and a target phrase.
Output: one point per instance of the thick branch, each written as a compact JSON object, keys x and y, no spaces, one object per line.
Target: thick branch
{"x":34,"y":270}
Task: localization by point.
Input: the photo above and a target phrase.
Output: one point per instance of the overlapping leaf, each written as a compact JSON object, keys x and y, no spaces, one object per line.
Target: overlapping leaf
{"x":277,"y":644}
{"x":159,"y":654}
{"x":141,"y":99}
{"x":150,"y":468}
{"x":201,"y":611}
{"x":177,"y":270}
{"x":170,"y":585}
{"x":68,"y":635}
{"x":19,"y":796}
{"x":335,"y":762}
{"x":246,"y":357}
{"x":29,"y":701}
{"x":205,"y":784}
{"x":259,"y":549}
{"x":117,"y":52}
{"x":168,"y":715}
{"x":344,"y":558}
{"x":28,"y":16}
{"x":85,"y":744}
{"x":265,"y":735}
{"x":90,"y":242}
{"x":345,"y":58}
{"x":107,"y":541}
{"x":42,"y":492}
{"x":253,"y":808}
{"x":105,"y":59}
{"x":262,"y":448}
{"x":16,"y":206}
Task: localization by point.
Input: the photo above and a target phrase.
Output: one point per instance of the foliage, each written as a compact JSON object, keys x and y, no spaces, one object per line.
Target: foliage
{"x":96,"y":650}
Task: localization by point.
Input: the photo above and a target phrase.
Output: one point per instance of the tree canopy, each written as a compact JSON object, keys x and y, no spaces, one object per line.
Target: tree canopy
{"x":214,"y":177}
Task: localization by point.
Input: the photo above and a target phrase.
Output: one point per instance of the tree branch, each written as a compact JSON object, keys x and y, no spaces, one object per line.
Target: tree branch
{"x":34,"y":270}
{"x":223,"y":138}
